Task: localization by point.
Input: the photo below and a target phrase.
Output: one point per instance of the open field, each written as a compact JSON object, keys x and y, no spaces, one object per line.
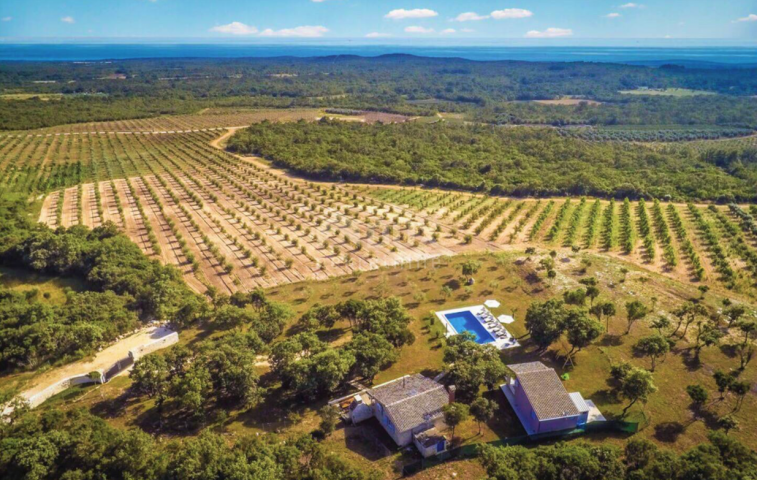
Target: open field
{"x":182,"y":122}
{"x":567,"y":101}
{"x":215,"y":119}
{"x":679,"y":241}
{"x":27,"y":96}
{"x":50,"y":289}
{"x":235,"y":223}
{"x":67,"y":155}
{"x":669,"y":92}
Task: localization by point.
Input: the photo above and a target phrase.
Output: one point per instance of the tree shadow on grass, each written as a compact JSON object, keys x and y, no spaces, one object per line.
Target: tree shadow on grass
{"x":505,"y":422}
{"x":369,"y":440}
{"x":690,"y":360}
{"x":610,"y":340}
{"x":114,"y":407}
{"x":729,"y":350}
{"x":668,"y":432}
{"x":605,"y":396}
{"x":708,"y":417}
{"x":332,"y":334}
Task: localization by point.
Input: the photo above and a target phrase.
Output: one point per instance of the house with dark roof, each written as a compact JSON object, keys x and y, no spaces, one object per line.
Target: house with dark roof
{"x":542,"y":403}
{"x":409,"y":408}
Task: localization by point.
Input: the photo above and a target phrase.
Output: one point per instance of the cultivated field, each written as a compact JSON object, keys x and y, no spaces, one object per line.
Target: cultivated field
{"x":235,"y":223}
{"x":68,"y":155}
{"x":216,"y":119}
{"x":687,"y":242}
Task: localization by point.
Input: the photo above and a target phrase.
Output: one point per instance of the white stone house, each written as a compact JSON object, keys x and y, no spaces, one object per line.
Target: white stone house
{"x":409,"y":409}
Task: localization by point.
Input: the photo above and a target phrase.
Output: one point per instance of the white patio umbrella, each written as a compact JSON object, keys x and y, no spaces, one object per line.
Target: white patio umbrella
{"x":505,"y":319}
{"x":491,"y":303}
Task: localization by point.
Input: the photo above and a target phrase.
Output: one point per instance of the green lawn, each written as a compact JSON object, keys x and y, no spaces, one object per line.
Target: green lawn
{"x":51,"y":289}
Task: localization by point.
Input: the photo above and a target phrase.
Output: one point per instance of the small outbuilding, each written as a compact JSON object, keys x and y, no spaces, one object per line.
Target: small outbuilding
{"x":430,"y":442}
{"x":541,"y":401}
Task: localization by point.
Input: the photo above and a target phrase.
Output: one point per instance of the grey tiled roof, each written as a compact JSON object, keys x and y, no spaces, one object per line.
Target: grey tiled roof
{"x":544,"y":390}
{"x":519,"y":368}
{"x":411,"y":401}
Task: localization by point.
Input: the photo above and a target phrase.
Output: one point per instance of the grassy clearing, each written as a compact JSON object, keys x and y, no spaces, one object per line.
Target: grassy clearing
{"x":50,"y":289}
{"x":26,"y":96}
{"x":516,"y":280}
{"x":669,"y":92}
{"x":567,"y":101}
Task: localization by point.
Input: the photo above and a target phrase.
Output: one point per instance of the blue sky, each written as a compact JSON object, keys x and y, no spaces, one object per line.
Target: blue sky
{"x":381,"y":20}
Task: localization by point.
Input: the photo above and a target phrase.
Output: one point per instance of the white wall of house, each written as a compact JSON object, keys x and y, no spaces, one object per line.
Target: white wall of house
{"x":405,"y":437}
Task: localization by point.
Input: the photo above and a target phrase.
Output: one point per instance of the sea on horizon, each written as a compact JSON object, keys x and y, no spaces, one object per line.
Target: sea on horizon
{"x":67,"y":52}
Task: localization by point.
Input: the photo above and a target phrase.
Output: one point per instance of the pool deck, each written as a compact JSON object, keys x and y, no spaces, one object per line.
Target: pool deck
{"x":487,"y":320}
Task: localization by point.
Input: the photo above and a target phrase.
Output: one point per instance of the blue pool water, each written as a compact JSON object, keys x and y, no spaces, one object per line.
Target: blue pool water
{"x":467,"y":322}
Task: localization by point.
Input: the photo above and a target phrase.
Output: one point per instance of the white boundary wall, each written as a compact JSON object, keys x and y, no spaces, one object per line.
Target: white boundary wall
{"x":54,"y":389}
{"x":35,"y":400}
{"x":154,"y":346}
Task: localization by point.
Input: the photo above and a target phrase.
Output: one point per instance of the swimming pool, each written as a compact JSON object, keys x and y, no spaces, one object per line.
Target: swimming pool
{"x":465,"y":321}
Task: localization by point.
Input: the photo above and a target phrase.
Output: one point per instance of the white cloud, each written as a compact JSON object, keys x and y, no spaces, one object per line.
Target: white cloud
{"x":470,"y":17}
{"x":612,"y":15}
{"x":7,"y":19}
{"x":235,"y":28}
{"x":467,"y":30}
{"x":376,"y":34}
{"x":68,"y":19}
{"x":304,"y":31}
{"x":401,"y":13}
{"x":551,"y":32}
{"x":632,"y":5}
{"x":417,"y":29}
{"x":511,"y":13}
{"x":749,"y":18}
{"x":448,"y":31}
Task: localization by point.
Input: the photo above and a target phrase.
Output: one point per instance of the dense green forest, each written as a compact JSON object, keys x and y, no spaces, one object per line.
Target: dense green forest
{"x":498,"y":160}
{"x":494,"y":92}
{"x":639,"y":111}
{"x":124,"y":287}
{"x":77,"y":445}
